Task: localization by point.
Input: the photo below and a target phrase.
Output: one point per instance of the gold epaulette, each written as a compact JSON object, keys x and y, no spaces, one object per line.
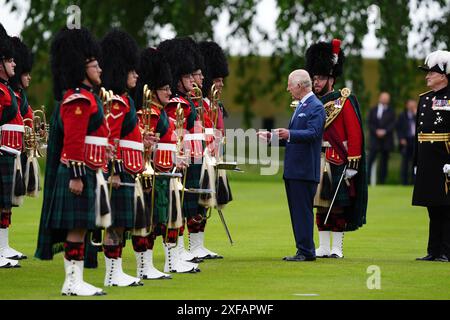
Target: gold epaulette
{"x":334,"y":107}
{"x":353,"y":162}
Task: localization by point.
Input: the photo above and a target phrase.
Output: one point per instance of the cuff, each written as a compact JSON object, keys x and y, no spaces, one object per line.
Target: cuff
{"x":353,"y":162}
{"x":77,"y":169}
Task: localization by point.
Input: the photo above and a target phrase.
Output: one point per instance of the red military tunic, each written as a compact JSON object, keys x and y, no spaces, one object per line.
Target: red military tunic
{"x":80,"y":147}
{"x":12,"y":129}
{"x":346,"y":129}
{"x":130,"y":147}
{"x":164,"y":156}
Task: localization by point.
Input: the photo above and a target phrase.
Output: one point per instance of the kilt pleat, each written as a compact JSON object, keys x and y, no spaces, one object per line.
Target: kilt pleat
{"x":6,"y":180}
{"x":122,"y":203}
{"x":69,"y":211}
{"x":191,"y":206}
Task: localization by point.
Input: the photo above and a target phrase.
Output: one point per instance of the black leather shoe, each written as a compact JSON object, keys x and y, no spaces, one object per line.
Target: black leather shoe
{"x":299,"y":258}
{"x":428,"y":257}
{"x":442,"y":258}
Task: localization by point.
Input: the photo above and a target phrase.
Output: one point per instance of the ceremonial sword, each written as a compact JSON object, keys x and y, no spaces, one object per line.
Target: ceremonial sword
{"x":335,"y":194}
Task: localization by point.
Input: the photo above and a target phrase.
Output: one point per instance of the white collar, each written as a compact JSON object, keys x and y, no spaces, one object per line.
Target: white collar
{"x":310,"y":94}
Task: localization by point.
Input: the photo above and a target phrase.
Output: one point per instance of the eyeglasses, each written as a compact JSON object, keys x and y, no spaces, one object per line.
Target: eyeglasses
{"x":96,"y":66}
{"x":166,"y":89}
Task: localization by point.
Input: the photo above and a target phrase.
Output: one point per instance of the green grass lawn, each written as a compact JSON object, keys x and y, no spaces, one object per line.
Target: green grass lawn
{"x":395,"y":234}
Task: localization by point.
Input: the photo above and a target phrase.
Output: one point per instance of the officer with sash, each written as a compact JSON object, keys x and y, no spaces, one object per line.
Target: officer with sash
{"x":432,"y":155}
{"x":75,"y":192}
{"x":12,"y":187}
{"x":341,"y":198}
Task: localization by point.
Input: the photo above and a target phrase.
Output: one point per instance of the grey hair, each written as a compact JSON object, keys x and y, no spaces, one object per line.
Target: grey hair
{"x":301,"y":77}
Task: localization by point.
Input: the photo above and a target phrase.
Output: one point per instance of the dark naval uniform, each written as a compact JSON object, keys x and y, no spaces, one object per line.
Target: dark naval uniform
{"x":432,"y":152}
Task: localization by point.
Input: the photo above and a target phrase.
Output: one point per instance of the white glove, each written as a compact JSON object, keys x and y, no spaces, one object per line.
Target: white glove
{"x":415,"y":170}
{"x":350,"y":173}
{"x":446,"y":169}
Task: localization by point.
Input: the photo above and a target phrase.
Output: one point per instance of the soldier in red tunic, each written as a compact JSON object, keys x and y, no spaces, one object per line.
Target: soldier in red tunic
{"x":164,"y":199}
{"x":343,"y":173}
{"x":10,"y":148}
{"x":75,"y":191}
{"x":120,"y":62}
{"x":182,"y":64}
{"x":33,"y":140}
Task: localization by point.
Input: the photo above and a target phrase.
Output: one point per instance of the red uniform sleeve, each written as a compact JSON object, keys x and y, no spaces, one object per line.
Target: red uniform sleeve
{"x":75,"y":116}
{"x":353,"y":132}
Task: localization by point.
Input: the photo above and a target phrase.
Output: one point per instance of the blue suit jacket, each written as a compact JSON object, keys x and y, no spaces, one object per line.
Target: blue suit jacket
{"x":302,"y":157}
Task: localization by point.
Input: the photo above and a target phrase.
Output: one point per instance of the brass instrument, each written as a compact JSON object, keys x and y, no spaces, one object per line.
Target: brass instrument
{"x":106,"y":97}
{"x":36,"y":134}
{"x":197,"y":95}
{"x":215,"y":97}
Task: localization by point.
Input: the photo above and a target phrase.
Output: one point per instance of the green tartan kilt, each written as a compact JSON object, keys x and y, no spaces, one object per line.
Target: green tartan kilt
{"x":6,"y":180}
{"x":69,"y":211}
{"x":161,"y":206}
{"x":122,"y":203}
{"x":342,"y":196}
{"x":190,"y":205}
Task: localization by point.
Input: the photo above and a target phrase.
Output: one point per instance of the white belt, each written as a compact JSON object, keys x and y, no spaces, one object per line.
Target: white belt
{"x":132,"y":145}
{"x":10,"y":150}
{"x":98,"y":141}
{"x":326,"y":144}
{"x":166,"y":147}
{"x":13,"y":127}
{"x":209,"y":131}
{"x":194,"y":136}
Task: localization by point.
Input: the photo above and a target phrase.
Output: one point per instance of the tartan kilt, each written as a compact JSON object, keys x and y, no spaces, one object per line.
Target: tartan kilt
{"x":161,"y":206}
{"x":122,"y":203}
{"x":69,"y":211}
{"x":7,"y":172}
{"x":342,"y":196}
{"x":191,"y":207}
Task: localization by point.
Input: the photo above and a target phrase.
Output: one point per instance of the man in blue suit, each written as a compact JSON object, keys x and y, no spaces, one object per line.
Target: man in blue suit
{"x":303,"y":140}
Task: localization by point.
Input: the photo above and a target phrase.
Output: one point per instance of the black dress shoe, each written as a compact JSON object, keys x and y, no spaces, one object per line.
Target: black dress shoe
{"x":442,"y":258}
{"x":299,"y":258}
{"x":428,"y":257}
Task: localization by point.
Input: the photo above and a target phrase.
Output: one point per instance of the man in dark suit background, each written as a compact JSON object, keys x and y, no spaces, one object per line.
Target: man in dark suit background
{"x":303,"y":140}
{"x":406,"y":130}
{"x":381,"y":122}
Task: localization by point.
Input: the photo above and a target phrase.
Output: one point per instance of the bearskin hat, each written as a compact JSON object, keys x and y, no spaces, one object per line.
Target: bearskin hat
{"x":216,"y":65}
{"x":6,"y":47}
{"x":194,"y":50}
{"x":23,"y":59}
{"x":153,"y":71}
{"x":325,"y":58}
{"x":120,"y":55}
{"x":70,"y":50}
{"x":176,"y":53}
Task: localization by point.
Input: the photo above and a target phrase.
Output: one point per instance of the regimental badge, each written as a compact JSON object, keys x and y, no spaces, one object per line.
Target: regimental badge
{"x":346,"y":92}
{"x":116,"y":106}
{"x":78,"y":111}
{"x":441,"y":105}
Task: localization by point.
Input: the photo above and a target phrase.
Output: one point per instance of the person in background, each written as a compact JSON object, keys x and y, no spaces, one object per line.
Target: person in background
{"x":381,"y":123}
{"x":406,"y":130}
